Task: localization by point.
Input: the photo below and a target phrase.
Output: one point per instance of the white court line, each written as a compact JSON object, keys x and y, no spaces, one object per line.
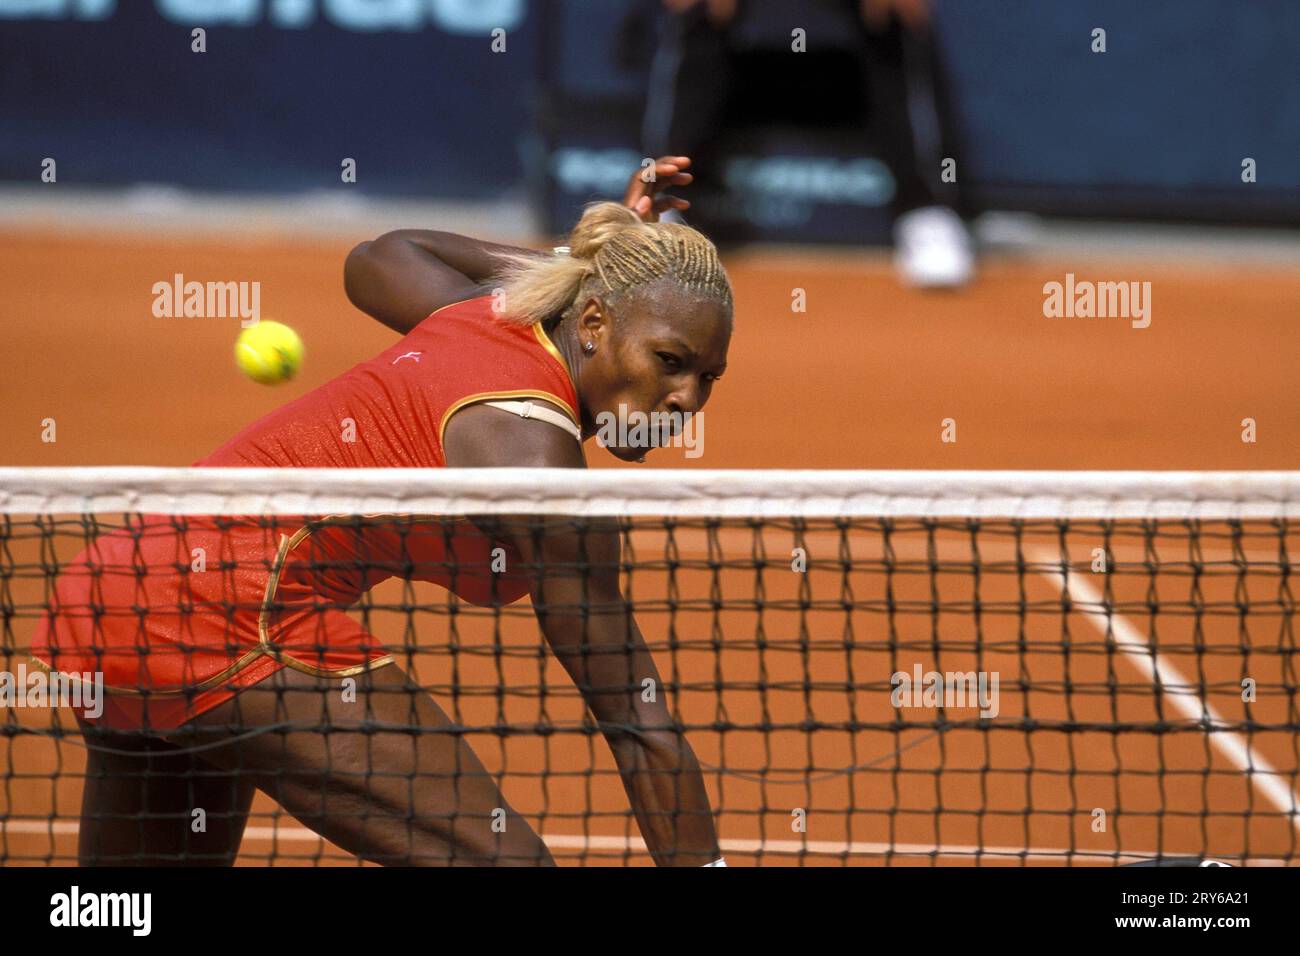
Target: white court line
{"x":1181,"y":694}
{"x":634,"y":845}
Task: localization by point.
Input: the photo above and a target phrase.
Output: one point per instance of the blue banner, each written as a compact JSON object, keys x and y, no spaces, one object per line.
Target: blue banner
{"x":1184,"y":106}
{"x":426,"y":96}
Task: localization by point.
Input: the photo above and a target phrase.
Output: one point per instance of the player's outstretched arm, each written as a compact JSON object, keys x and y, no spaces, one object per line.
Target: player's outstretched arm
{"x":403,"y":276}
{"x":590,"y":628}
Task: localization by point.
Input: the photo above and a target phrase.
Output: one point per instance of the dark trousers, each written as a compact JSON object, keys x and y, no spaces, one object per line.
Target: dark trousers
{"x":704,"y":79}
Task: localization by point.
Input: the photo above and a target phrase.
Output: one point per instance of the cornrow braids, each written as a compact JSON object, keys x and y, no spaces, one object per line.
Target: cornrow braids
{"x":612,"y":254}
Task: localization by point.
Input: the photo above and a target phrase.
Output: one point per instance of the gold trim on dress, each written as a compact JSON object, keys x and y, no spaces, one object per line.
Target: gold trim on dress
{"x":270,"y":648}
{"x":266,"y":647}
{"x":206,"y":684}
{"x":551,"y":347}
{"x":440,"y":308}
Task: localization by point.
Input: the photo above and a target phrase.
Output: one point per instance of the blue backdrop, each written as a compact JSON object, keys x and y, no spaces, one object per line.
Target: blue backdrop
{"x":413,"y":91}
{"x":113,"y":92}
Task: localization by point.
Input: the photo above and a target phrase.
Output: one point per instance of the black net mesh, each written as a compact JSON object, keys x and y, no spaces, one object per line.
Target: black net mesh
{"x":858,"y":691}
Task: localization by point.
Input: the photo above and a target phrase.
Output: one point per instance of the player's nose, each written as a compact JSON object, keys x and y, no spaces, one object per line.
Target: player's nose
{"x":686,"y":399}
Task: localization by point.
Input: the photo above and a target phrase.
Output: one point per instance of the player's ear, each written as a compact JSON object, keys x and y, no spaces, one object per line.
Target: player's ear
{"x":593,"y":322}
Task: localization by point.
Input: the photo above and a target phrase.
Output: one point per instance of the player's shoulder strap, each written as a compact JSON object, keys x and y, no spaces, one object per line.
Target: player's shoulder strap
{"x":539,"y":412}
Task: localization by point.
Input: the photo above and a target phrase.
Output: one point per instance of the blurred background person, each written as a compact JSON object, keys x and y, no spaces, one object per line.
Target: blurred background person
{"x":698,"y":79}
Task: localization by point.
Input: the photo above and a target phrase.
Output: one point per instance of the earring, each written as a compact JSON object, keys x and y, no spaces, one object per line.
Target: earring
{"x":589,"y":347}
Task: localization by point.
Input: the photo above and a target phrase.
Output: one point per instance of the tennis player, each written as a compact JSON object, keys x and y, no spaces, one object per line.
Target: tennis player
{"x":228,"y":680}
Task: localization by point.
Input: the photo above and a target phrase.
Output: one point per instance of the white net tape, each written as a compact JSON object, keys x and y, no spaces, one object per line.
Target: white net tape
{"x":1170,"y":495}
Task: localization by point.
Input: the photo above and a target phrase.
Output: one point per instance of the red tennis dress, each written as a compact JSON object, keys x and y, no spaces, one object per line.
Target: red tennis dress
{"x":180,"y":613}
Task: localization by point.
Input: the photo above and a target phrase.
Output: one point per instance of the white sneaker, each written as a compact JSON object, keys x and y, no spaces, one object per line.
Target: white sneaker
{"x":932,"y":249}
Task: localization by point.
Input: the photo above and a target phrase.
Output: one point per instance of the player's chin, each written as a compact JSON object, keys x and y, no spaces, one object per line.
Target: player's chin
{"x":638,"y":450}
{"x":629,"y":452}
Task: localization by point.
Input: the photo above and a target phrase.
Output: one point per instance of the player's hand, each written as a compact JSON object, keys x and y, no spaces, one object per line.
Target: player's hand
{"x":913,"y":14}
{"x":643,"y":190}
{"x":721,"y":12}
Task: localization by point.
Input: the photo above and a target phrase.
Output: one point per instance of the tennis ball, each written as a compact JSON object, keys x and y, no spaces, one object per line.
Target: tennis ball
{"x":269,"y":352}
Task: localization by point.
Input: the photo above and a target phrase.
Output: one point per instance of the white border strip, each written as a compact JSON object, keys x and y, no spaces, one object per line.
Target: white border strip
{"x":677,"y":493}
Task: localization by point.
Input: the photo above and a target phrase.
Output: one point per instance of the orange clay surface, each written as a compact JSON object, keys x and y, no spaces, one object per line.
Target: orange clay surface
{"x":862,"y":379}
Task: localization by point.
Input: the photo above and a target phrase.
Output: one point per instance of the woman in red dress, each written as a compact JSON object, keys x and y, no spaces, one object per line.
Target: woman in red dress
{"x":508,"y":358}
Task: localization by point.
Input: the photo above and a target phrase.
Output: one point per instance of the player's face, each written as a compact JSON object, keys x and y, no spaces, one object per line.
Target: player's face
{"x":661,"y":356}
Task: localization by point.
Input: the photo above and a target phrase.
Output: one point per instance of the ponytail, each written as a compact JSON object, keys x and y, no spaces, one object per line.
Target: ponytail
{"x":611,"y":252}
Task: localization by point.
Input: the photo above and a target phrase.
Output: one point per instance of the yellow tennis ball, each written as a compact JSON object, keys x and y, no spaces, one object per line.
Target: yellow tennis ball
{"x":269,"y":352}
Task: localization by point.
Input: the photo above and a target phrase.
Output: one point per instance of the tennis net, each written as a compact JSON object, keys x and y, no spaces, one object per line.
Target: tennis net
{"x":933,"y":668}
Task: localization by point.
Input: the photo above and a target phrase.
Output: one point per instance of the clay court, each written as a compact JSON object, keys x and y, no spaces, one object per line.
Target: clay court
{"x":863,"y":379}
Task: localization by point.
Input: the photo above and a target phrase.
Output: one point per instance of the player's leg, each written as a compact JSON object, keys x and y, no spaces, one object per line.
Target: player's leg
{"x":690,"y":85}
{"x":385,"y":776}
{"x":901,"y":69}
{"x":147,"y":803}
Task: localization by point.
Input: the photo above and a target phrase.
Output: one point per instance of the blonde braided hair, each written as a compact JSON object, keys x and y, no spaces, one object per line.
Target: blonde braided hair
{"x":612,"y":253}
